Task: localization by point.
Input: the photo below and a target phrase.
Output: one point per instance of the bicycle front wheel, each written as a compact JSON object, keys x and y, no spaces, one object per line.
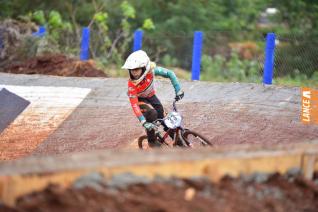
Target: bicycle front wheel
{"x":143,"y":142}
{"x":194,"y":139}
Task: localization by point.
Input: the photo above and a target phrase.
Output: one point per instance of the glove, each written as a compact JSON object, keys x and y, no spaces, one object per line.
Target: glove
{"x":179,"y":95}
{"x":149,"y":126}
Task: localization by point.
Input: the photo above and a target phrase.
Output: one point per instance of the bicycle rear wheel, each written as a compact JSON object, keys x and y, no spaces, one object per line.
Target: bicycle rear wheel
{"x":194,"y":139}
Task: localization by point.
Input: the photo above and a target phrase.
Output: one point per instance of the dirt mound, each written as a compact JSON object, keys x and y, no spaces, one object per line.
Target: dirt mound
{"x":58,"y":65}
{"x":257,"y":192}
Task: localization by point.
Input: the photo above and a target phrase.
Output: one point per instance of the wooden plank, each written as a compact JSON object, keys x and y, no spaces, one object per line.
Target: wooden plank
{"x":198,"y":163}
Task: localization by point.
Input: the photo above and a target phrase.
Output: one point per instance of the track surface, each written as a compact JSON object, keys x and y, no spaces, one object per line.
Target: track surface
{"x":82,"y":114}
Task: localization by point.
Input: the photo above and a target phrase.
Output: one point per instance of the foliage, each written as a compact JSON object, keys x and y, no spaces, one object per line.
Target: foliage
{"x":297,"y":56}
{"x":218,"y":68}
{"x":299,"y":15}
{"x":59,"y":32}
{"x":167,"y":60}
{"x":300,"y":81}
{"x":128,"y":10}
{"x":169,"y":27}
{"x":109,"y":46}
{"x":148,"y":24}
{"x":39,"y":17}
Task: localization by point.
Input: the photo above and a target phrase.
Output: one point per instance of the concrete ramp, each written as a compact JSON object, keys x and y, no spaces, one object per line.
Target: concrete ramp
{"x":82,"y":114}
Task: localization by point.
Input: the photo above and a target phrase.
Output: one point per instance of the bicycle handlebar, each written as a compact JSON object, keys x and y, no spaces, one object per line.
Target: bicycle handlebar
{"x":157,"y":122}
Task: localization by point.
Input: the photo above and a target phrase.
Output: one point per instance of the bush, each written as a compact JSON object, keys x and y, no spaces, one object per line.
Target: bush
{"x":217,"y":68}
{"x":297,"y":56}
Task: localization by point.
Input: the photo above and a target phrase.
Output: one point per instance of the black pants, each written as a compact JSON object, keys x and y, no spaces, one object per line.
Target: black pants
{"x":152,"y":109}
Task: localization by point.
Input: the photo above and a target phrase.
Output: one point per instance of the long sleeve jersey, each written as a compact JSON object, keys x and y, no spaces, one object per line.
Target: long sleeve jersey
{"x":145,"y":88}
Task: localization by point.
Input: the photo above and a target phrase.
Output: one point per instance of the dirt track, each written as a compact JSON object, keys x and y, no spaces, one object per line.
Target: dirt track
{"x":67,"y":115}
{"x":230,"y":113}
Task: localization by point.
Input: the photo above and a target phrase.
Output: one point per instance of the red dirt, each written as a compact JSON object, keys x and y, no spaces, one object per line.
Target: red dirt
{"x":84,"y":130}
{"x":87,"y":129}
{"x":58,"y":65}
{"x":276,"y":193}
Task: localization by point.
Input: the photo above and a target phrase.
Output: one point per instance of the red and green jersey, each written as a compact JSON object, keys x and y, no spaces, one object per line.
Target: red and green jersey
{"x":145,"y":87}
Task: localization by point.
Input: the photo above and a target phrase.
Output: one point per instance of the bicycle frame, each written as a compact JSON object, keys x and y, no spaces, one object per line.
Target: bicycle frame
{"x":176,"y":131}
{"x":182,"y":136}
{"x":173,"y":121}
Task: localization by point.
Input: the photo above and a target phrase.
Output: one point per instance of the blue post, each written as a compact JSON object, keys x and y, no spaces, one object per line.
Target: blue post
{"x":41,"y":32}
{"x":1,"y":41}
{"x":196,"y":55}
{"x":84,"y":55}
{"x":137,"y":40}
{"x":269,"y":58}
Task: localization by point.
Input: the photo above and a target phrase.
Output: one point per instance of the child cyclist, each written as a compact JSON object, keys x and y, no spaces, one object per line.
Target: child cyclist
{"x":142,"y":95}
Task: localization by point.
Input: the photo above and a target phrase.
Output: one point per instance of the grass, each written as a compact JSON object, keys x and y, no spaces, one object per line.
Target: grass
{"x":114,"y":71}
{"x":287,"y":81}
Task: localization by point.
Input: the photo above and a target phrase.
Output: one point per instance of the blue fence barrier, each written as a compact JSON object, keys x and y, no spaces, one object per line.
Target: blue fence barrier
{"x":196,"y":52}
{"x":41,"y":32}
{"x":84,"y":55}
{"x":1,"y":40}
{"x":269,"y":59}
{"x":137,"y":40}
{"x":196,"y":55}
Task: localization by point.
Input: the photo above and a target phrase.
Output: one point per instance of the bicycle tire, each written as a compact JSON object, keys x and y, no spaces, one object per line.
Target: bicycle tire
{"x":203,"y":140}
{"x":143,"y":142}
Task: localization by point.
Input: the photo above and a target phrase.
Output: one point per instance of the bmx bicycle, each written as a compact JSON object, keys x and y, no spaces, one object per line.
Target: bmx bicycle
{"x":182,"y":137}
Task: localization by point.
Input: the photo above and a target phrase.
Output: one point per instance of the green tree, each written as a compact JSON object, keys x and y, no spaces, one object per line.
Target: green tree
{"x":298,"y":55}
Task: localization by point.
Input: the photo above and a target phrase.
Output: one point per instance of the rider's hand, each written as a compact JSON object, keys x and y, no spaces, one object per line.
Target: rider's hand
{"x":179,"y":95}
{"x":149,"y":126}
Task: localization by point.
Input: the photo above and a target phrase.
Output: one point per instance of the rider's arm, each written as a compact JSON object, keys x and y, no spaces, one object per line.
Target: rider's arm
{"x":159,"y":71}
{"x":132,"y":94}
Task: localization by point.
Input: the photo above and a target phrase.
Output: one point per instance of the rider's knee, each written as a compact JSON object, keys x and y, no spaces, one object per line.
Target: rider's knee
{"x":160,"y":112}
{"x":151,"y":115}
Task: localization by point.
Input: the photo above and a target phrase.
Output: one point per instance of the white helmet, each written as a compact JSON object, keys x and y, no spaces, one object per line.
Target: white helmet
{"x":137,"y":59}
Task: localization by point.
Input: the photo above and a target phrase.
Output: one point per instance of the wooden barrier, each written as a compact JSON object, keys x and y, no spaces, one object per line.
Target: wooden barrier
{"x":33,"y":174}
